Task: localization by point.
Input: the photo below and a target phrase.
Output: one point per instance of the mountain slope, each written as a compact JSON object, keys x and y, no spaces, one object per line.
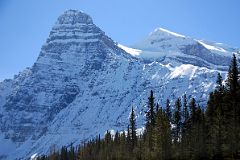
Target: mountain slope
{"x":165,"y":46}
{"x":83,"y":84}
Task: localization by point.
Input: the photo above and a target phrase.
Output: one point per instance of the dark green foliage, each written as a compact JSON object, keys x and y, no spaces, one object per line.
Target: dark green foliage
{"x":157,"y":108}
{"x":132,"y":130}
{"x":185,"y":113}
{"x":177,"y":127}
{"x":162,"y":136}
{"x":192,"y":107}
{"x":168,"y":111}
{"x":177,"y":121}
{"x":215,"y":121}
{"x":222,"y":117}
{"x":150,"y":114}
{"x":150,"y":121}
{"x":232,"y":80}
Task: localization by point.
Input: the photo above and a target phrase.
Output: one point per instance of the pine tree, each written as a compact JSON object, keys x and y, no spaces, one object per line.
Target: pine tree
{"x":132,"y":130}
{"x":232,"y":107}
{"x":162,"y":136}
{"x":176,"y":131}
{"x":184,"y":136}
{"x":168,"y":110}
{"x":192,"y":107}
{"x":232,"y":79}
{"x":219,"y":82}
{"x":117,"y":138}
{"x":215,"y":121}
{"x":185,"y":109}
{"x":150,"y":121}
{"x":123,"y":146}
{"x":108,"y":137}
{"x":108,"y":145}
{"x":150,"y":114}
{"x":235,"y":91}
{"x":198,"y":131}
{"x":98,"y":143}
{"x":190,"y":135}
{"x":128,"y":139}
{"x":64,"y":154}
{"x":71,"y":153}
{"x":157,"y":108}
{"x":194,"y":137}
{"x":177,"y":121}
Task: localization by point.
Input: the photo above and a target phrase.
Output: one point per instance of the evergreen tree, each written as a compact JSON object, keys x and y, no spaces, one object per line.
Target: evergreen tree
{"x":194,"y":137}
{"x":98,"y":143}
{"x":132,"y":130}
{"x":150,"y":114}
{"x":150,"y":121}
{"x":168,"y":110}
{"x":192,"y":107}
{"x":219,"y":82}
{"x":162,"y":136}
{"x":232,"y":79}
{"x":123,"y":146}
{"x":215,"y":121}
{"x":108,"y":137}
{"x":128,"y":139}
{"x":232,"y":115}
{"x":71,"y":153}
{"x":185,"y":109}
{"x":184,"y":136}
{"x":157,"y":108}
{"x":64,"y":153}
{"x":177,"y":127}
{"x":177,"y":121}
{"x":117,"y":138}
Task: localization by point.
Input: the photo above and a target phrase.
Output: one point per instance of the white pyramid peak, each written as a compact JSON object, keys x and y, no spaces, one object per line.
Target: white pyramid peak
{"x":160,"y":31}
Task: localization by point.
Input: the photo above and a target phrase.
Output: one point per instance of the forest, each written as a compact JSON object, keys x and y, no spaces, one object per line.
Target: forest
{"x":183,"y":131}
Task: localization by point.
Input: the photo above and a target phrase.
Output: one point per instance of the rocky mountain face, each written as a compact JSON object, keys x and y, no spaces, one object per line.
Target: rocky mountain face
{"x":83,"y":83}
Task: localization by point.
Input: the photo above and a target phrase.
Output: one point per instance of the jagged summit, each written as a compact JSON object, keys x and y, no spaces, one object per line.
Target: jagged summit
{"x":75,"y":38}
{"x":74,"y":17}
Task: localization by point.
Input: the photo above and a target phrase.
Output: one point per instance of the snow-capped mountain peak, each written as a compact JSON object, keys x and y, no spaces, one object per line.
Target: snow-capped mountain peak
{"x":164,"y":32}
{"x":168,"y":47}
{"x":83,"y":83}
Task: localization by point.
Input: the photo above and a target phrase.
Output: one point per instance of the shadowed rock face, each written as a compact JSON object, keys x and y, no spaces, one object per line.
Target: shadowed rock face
{"x":199,"y":51}
{"x":73,"y":17}
{"x":83,"y":84}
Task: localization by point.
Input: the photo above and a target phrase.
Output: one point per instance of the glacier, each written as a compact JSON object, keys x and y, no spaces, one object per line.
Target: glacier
{"x":84,"y":83}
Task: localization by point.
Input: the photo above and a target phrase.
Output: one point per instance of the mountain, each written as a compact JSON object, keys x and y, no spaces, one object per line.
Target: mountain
{"x":83,"y":83}
{"x":168,"y":47}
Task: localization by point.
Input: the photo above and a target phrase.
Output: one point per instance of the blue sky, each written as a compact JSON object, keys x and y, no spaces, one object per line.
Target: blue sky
{"x":25,"y":24}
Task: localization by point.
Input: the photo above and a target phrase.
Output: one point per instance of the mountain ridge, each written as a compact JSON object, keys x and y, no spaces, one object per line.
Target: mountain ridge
{"x":162,"y":44}
{"x":83,"y":84}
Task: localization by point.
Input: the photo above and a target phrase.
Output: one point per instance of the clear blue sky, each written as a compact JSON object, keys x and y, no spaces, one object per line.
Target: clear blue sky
{"x":25,"y":24}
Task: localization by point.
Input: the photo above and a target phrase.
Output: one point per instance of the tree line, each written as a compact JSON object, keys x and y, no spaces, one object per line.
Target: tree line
{"x":183,"y":131}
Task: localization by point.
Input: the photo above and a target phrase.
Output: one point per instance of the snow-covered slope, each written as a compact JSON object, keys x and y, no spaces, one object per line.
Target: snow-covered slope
{"x":168,"y":47}
{"x":84,"y":83}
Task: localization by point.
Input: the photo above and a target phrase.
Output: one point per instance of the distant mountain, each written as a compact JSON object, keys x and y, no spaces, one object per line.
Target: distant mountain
{"x":168,"y":47}
{"x":83,"y":83}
